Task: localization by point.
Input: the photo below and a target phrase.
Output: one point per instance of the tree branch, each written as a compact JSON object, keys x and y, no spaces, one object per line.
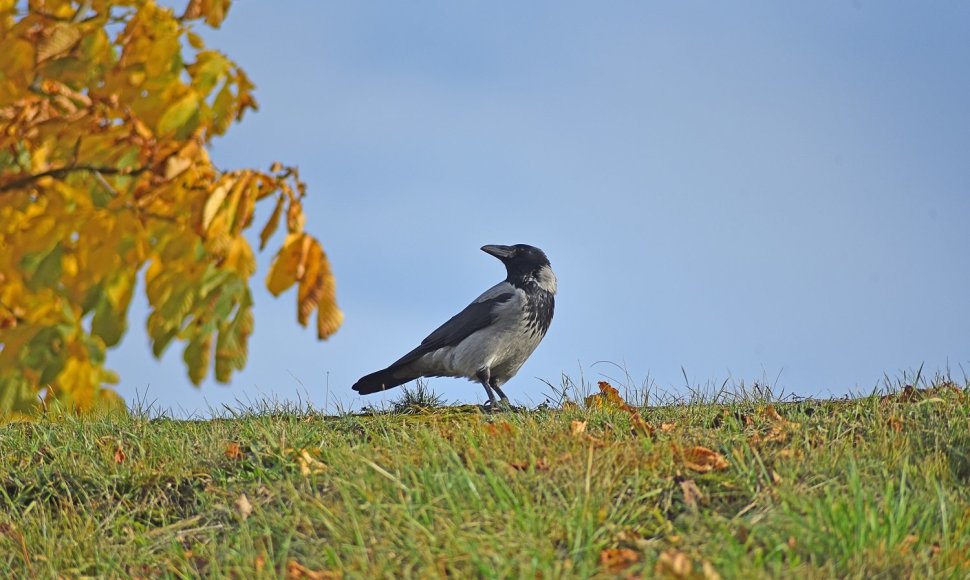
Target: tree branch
{"x":63,"y":171}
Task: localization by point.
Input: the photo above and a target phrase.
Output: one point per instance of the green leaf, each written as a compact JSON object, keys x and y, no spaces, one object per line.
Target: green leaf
{"x":231,"y":346}
{"x":43,"y":269}
{"x":181,"y":117}
{"x":95,"y":348}
{"x":223,"y":110}
{"x":16,"y":394}
{"x":161,"y":341}
{"x":207,"y":70}
{"x":108,"y":324}
{"x":196,"y":357}
{"x":91,"y":298}
{"x":45,"y":352}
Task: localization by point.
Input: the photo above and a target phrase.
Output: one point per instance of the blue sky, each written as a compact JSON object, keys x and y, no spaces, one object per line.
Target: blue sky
{"x":748,"y":191}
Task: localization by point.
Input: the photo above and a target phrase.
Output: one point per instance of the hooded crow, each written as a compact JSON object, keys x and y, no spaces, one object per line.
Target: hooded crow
{"x":491,"y":338}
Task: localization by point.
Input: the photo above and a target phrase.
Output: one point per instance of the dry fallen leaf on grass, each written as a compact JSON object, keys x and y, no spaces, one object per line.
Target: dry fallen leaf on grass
{"x":577,"y":427}
{"x":896,"y":424}
{"x":297,"y":571}
{"x":234,"y":451}
{"x":772,"y":414}
{"x":709,"y":572}
{"x":692,"y":493}
{"x":243,"y":507}
{"x":519,"y":465}
{"x":668,"y":427}
{"x":673,"y":564}
{"x":120,"y":455}
{"x":309,"y":464}
{"x":702,"y":460}
{"x":616,"y":560}
{"x":499,"y":428}
{"x":788,"y":453}
{"x":639,"y":426}
{"x":607,"y":397}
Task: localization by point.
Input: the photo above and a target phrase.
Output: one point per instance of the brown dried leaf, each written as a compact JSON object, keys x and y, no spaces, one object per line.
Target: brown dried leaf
{"x":577,"y":427}
{"x":668,"y":427}
{"x":692,"y":493}
{"x":234,"y":451}
{"x":907,"y":544}
{"x":297,"y":571}
{"x":639,"y":425}
{"x":703,"y":460}
{"x":608,"y":397}
{"x":616,"y":560}
{"x":673,"y":564}
{"x":243,"y":507}
{"x":895,"y":423}
{"x":119,"y":455}
{"x":499,"y":428}
{"x":790,"y":454}
{"x":772,"y":414}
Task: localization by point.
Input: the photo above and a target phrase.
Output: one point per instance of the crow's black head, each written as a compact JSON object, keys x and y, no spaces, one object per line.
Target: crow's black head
{"x":525,"y":264}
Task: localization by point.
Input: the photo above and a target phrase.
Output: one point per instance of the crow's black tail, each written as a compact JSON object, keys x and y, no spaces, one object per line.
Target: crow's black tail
{"x":382,"y":380}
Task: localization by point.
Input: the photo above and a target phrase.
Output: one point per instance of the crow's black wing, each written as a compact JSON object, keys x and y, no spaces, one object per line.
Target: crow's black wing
{"x":473,"y":318}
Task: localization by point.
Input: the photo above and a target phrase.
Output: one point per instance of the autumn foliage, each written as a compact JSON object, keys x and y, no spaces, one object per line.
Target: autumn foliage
{"x":106,"y":111}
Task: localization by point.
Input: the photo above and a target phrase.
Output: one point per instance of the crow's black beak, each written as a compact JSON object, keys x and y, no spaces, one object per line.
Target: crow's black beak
{"x":501,"y":252}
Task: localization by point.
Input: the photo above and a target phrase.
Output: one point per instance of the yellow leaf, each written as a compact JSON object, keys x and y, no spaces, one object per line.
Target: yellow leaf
{"x":241,"y":203}
{"x":214,"y":202}
{"x":195,"y":41}
{"x":272,"y":223}
{"x":240,"y":257}
{"x":309,"y":465}
{"x":283,"y":272}
{"x":175,"y":165}
{"x":295,"y":218}
{"x":62,"y":38}
{"x":329,"y":316}
{"x":311,"y":283}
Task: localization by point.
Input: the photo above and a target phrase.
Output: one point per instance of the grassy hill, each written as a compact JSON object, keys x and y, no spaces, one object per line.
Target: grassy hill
{"x":752,"y":488}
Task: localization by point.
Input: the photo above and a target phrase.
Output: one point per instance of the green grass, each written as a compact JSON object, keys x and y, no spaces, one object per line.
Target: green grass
{"x":858,"y":488}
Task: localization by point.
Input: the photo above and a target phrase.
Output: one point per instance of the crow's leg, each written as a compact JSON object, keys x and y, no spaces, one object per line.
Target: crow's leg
{"x":483,"y":377}
{"x":504,"y":401}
